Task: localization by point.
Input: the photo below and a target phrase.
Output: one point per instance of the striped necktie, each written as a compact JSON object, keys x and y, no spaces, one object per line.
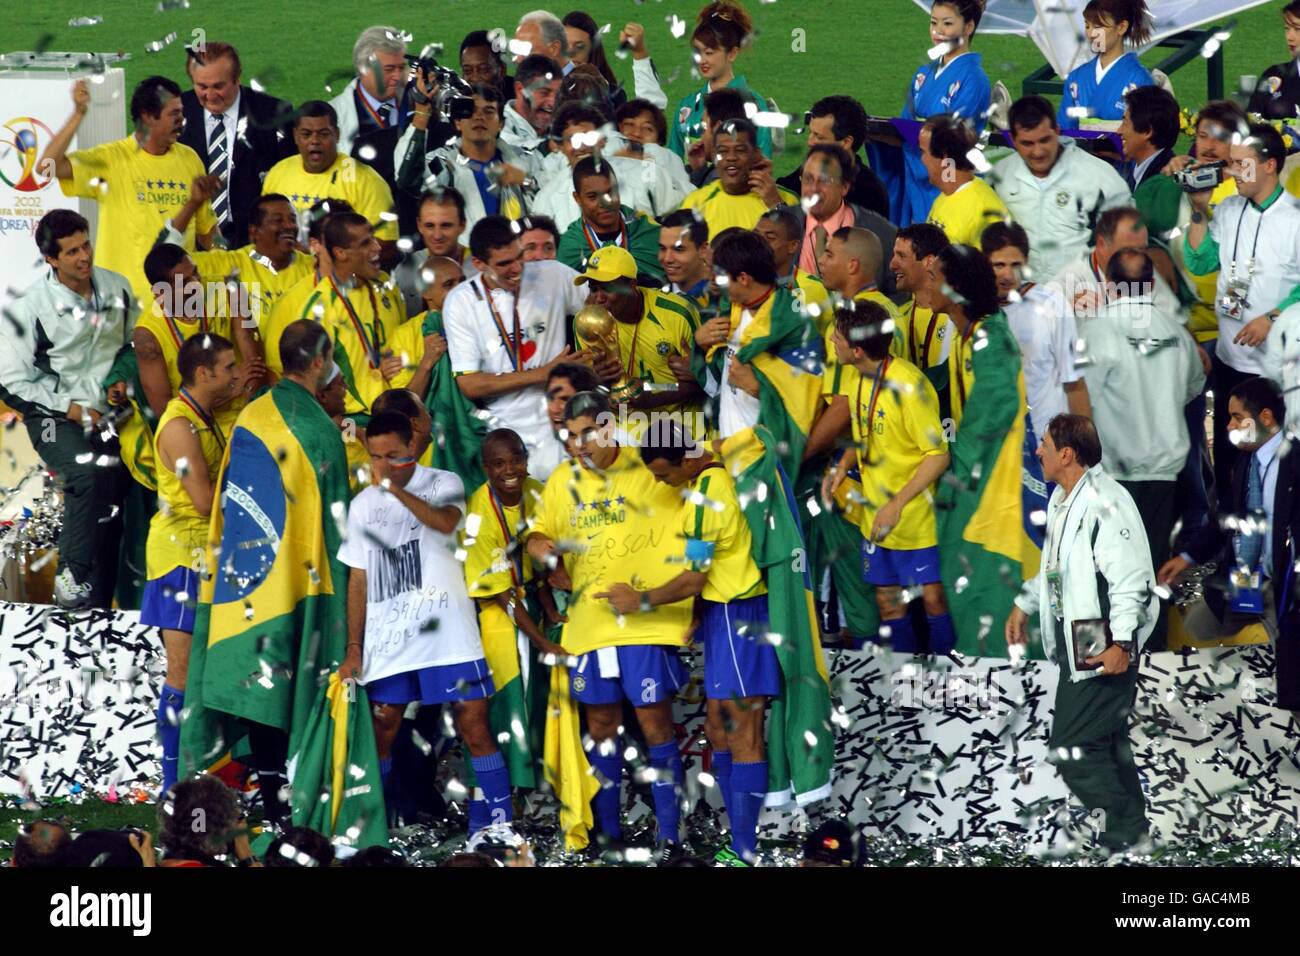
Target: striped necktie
{"x":219,"y":165}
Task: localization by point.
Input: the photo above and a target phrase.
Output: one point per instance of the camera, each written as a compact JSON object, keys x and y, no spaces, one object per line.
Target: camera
{"x":455,"y":98}
{"x":1195,"y":179}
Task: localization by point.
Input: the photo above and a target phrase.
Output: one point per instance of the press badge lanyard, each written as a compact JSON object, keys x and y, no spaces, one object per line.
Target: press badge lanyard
{"x":512,"y":344}
{"x":876,"y":382}
{"x":1236,"y":244}
{"x":372,"y":349}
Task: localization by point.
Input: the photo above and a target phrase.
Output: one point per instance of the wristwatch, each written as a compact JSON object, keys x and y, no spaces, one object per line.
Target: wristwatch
{"x":646,"y":607}
{"x":1272,"y":316}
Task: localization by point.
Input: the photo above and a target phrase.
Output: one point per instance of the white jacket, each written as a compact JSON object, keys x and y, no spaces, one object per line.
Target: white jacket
{"x":1280,"y":358}
{"x":345,"y":106}
{"x":1142,"y":368}
{"x":1060,"y":210}
{"x":643,"y":186}
{"x":1104,"y":560}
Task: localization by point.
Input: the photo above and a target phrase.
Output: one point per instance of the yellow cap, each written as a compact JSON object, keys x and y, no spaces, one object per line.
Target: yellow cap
{"x":607,"y":264}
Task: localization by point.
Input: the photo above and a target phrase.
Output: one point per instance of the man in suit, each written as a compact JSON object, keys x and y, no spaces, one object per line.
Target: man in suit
{"x":1265,"y":481}
{"x":842,"y":120}
{"x":1149,"y":131}
{"x":238,"y":132}
{"x":376,"y":106}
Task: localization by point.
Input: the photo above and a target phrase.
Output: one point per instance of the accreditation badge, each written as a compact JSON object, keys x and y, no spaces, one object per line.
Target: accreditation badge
{"x":1054,"y":594}
{"x":1246,"y":592}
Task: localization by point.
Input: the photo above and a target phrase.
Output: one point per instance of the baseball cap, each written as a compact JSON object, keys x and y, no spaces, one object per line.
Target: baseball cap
{"x":834,"y":843}
{"x":607,"y":264}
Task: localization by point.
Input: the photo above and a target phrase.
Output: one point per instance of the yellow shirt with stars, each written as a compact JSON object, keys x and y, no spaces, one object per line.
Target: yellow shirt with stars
{"x":262,"y":283}
{"x":666,"y":329}
{"x":346,"y":179}
{"x":489,"y":569}
{"x":722,"y":210}
{"x":719,"y":542}
{"x":833,"y":378}
{"x":617,"y":526}
{"x":920,"y":336}
{"x":361,"y":325}
{"x":138,"y":194}
{"x":892,"y":439}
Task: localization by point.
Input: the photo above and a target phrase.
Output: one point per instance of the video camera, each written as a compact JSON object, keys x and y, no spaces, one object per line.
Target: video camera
{"x":455,"y":98}
{"x":1196,"y":179}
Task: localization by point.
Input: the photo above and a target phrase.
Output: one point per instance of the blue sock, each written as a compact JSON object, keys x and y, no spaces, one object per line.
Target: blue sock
{"x":170,"y":704}
{"x":749,"y":787}
{"x":722,"y":773}
{"x":943,"y":638}
{"x":667,"y":761}
{"x":386,"y":784}
{"x":494,"y":781}
{"x":605,"y":805}
{"x":902,"y":639}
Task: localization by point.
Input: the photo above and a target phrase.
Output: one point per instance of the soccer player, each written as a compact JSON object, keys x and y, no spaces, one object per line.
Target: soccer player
{"x":687,"y":261}
{"x":741,"y":671}
{"x":419,"y":341}
{"x":412,"y":633}
{"x":784,"y":233}
{"x":1044,"y":326}
{"x":923,"y":335}
{"x":609,"y":520}
{"x":189,"y":445}
{"x":564,"y":381}
{"x":58,"y":343}
{"x":267,"y":267}
{"x":151,"y":175}
{"x":184,"y":305}
{"x":440,"y":220}
{"x":505,"y":331}
{"x":605,"y":222}
{"x":540,"y":238}
{"x":742,"y":192}
{"x":966,"y":205}
{"x":361,"y":310}
{"x":652,"y":327}
{"x":900,"y":451}
{"x":320,"y":171}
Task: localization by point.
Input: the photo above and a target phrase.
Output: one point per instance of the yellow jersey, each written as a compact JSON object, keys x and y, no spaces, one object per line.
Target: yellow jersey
{"x":172,"y":333}
{"x":617,"y":526}
{"x":811,"y":294}
{"x":361,"y":323}
{"x":286,"y":310}
{"x":895,"y":417}
{"x":666,"y":329}
{"x":721,"y":210}
{"x":718,"y":540}
{"x":964,"y":215}
{"x":261,"y":283}
{"x":358,"y":458}
{"x":921,"y":337}
{"x":138,"y":194}
{"x":178,"y":534}
{"x":492,"y":529}
{"x":346,"y":179}
{"x":832,"y":371}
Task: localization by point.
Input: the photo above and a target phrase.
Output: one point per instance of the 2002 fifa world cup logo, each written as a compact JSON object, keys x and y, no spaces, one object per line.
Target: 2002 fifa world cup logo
{"x":20,"y":147}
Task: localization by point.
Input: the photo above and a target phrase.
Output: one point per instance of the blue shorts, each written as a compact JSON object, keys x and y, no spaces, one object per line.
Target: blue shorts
{"x":160,"y":606}
{"x":647,"y":674}
{"x":739,"y":661}
{"x":886,"y":566}
{"x":434,"y":685}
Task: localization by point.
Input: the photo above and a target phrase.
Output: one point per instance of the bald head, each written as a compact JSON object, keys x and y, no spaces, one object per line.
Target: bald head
{"x":441,"y":275}
{"x":852,"y":261}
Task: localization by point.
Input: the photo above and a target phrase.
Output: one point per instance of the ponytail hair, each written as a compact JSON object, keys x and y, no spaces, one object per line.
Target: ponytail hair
{"x":1134,"y":12}
{"x":723,"y":25}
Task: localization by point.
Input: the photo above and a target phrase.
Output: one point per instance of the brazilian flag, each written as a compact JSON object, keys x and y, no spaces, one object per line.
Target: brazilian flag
{"x":271,"y":627}
{"x":457,"y":429}
{"x":642,"y":241}
{"x":985,"y":506}
{"x":800,"y":737}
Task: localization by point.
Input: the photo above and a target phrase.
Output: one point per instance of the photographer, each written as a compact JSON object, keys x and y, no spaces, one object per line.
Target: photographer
{"x":200,"y":823}
{"x":493,"y":177}
{"x":1253,"y":239}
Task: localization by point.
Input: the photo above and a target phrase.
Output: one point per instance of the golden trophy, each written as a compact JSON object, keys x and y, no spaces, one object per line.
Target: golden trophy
{"x":597,"y":331}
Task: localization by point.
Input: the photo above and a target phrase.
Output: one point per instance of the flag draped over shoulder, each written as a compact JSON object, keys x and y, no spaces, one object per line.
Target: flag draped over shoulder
{"x":800,"y":737}
{"x":986,"y":502}
{"x":782,"y":346}
{"x":271,"y":626}
{"x":457,"y":429}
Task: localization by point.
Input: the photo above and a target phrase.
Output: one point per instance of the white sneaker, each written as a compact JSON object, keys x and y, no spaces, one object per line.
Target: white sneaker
{"x":68,"y":593}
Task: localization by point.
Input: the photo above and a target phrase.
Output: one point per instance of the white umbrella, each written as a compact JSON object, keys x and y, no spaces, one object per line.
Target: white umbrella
{"x":1056,"y":26}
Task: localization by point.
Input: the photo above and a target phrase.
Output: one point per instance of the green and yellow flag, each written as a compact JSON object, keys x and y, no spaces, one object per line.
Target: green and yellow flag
{"x":271,"y":627}
{"x":800,"y":737}
{"x":986,"y":502}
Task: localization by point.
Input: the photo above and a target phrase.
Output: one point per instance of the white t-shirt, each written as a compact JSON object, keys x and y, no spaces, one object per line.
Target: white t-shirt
{"x":1044,"y":326}
{"x":547,"y":296}
{"x":737,"y":409}
{"x":418,"y":611}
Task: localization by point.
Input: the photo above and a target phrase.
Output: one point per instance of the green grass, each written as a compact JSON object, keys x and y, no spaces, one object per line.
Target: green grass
{"x":867,"y":48}
{"x":89,"y":814}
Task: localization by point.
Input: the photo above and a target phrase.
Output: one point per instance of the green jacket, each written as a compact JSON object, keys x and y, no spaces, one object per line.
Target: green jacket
{"x":642,"y":242}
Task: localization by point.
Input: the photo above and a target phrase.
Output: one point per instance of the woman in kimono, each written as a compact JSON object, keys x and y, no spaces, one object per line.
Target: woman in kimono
{"x":952,"y":82}
{"x":1095,"y":91}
